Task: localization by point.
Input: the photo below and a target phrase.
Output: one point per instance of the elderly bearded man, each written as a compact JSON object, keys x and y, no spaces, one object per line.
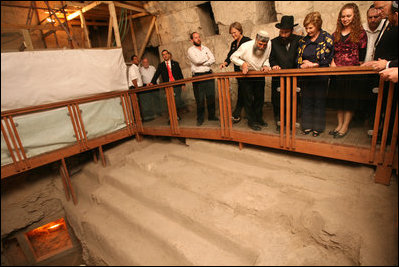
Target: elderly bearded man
{"x":254,"y":55}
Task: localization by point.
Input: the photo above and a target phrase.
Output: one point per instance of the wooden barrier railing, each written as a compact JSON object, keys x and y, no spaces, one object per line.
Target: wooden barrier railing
{"x":286,"y":140}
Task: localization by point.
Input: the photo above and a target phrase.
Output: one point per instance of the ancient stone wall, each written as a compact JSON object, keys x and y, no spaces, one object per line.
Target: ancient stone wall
{"x":176,"y":20}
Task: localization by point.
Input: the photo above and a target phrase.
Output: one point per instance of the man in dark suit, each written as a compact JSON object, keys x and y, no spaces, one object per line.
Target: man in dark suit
{"x":283,"y":56}
{"x":170,"y":71}
{"x":385,"y":56}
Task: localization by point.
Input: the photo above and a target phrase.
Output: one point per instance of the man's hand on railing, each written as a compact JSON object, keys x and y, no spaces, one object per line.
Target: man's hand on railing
{"x":245,"y":68}
{"x":149,"y":84}
{"x":390,"y":74}
{"x":266,"y":68}
{"x":379,"y":64}
{"x":276,"y":67}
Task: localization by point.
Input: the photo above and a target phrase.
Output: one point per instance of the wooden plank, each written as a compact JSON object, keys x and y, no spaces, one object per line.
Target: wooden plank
{"x":109,"y":38}
{"x":134,"y":8}
{"x":133,"y":36}
{"x":28,"y":40}
{"x":147,"y":37}
{"x":85,"y":9}
{"x":158,"y":35}
{"x":16,"y":27}
{"x":85,"y":30}
{"x":139,"y":15}
{"x":114,"y":20}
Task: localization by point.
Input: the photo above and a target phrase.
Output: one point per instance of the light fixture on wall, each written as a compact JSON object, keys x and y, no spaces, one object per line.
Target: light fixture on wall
{"x":49,"y":239}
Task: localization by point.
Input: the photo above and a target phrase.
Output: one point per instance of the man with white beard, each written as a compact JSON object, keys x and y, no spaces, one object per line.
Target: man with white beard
{"x":254,"y":55}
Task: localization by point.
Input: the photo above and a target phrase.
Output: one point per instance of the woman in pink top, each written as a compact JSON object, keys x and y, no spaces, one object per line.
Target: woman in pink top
{"x":350,"y":43}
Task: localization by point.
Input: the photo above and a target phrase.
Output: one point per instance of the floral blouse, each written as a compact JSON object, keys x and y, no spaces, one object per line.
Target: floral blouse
{"x":348,"y":53}
{"x":324,"y":49}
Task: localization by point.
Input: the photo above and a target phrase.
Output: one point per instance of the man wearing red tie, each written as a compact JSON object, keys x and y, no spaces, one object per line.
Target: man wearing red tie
{"x":170,"y":71}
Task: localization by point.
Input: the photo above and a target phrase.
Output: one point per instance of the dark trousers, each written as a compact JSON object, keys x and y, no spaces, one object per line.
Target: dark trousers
{"x":253,"y":90}
{"x":313,"y":104}
{"x":178,"y":99}
{"x":204,"y":90}
{"x":240,"y":99}
{"x":276,"y":100}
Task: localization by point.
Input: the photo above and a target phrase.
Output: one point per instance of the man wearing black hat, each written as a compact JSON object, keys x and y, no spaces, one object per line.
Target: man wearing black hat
{"x":283,"y":56}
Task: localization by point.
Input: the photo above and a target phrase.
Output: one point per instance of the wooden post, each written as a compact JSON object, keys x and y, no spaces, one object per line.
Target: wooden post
{"x":27,"y":39}
{"x":133,"y":35}
{"x":38,"y":23}
{"x":85,"y":30}
{"x":157,"y":31}
{"x":109,"y":39}
{"x":147,"y":37}
{"x":112,"y":13}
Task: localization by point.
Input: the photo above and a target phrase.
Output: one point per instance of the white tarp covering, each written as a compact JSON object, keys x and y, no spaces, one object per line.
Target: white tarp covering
{"x":46,"y":131}
{"x":33,"y":78}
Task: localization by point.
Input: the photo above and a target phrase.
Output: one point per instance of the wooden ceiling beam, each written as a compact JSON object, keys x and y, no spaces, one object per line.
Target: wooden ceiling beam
{"x":84,"y":9}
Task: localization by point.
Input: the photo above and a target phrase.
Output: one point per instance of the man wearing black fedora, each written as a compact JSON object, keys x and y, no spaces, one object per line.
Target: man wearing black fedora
{"x":283,"y":56}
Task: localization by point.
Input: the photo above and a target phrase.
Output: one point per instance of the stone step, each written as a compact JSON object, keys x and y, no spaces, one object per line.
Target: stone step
{"x":117,"y":241}
{"x":164,"y":230}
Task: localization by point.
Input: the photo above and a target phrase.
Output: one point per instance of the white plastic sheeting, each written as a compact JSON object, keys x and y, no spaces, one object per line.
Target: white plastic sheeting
{"x":33,"y":78}
{"x":46,"y":131}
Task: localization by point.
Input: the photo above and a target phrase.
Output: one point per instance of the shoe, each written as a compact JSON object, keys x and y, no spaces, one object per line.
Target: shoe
{"x":340,"y":135}
{"x":236,"y":119}
{"x":213,"y":118}
{"x":199,"y":123}
{"x":316,"y":133}
{"x":333,"y":132}
{"x":262,"y":123}
{"x":306,"y":131}
{"x":254,"y":127}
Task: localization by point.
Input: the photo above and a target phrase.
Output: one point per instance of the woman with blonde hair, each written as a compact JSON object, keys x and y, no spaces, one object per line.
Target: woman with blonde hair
{"x":315,"y":51}
{"x":350,"y":43}
{"x":237,"y":33}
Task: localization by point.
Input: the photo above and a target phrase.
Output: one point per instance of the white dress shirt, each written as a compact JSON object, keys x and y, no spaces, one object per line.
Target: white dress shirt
{"x":147,"y":74}
{"x":201,"y":60}
{"x":245,"y":54}
{"x":134,"y":73}
{"x":371,"y":38}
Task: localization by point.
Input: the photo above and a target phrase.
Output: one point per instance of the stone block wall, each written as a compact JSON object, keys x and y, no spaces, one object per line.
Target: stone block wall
{"x":176,"y":20}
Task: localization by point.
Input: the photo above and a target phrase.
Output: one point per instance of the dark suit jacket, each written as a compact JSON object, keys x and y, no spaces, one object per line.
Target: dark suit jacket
{"x":387,"y":47}
{"x":280,"y":56}
{"x":163,"y":71}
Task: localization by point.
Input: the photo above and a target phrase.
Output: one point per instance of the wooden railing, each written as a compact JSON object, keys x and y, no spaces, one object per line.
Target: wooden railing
{"x":379,"y":155}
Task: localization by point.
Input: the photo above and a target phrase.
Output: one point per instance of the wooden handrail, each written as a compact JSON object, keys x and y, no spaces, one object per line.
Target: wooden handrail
{"x":273,"y":73}
{"x":134,"y":126}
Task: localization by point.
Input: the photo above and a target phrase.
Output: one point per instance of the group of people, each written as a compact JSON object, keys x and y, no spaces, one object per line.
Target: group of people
{"x":373,"y":44}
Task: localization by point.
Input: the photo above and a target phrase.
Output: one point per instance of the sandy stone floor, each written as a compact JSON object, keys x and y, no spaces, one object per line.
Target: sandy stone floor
{"x":163,"y":202}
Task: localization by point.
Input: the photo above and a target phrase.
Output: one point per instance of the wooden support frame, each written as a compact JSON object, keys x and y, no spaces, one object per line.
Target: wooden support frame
{"x":67,"y":182}
{"x":133,"y":36}
{"x":85,"y":30}
{"x":109,"y":38}
{"x":147,"y":37}
{"x":114,"y":20}
{"x":27,"y":39}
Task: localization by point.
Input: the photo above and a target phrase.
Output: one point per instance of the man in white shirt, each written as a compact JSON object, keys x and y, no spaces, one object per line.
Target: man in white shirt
{"x":149,"y":101}
{"x":372,"y":27}
{"x":134,"y":76}
{"x":201,"y":59}
{"x":254,"y":55}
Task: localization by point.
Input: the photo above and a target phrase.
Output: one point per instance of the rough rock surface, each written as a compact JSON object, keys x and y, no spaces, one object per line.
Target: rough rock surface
{"x":208,"y":203}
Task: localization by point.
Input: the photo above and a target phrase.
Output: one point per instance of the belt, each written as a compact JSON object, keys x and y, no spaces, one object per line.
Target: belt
{"x":202,"y":73}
